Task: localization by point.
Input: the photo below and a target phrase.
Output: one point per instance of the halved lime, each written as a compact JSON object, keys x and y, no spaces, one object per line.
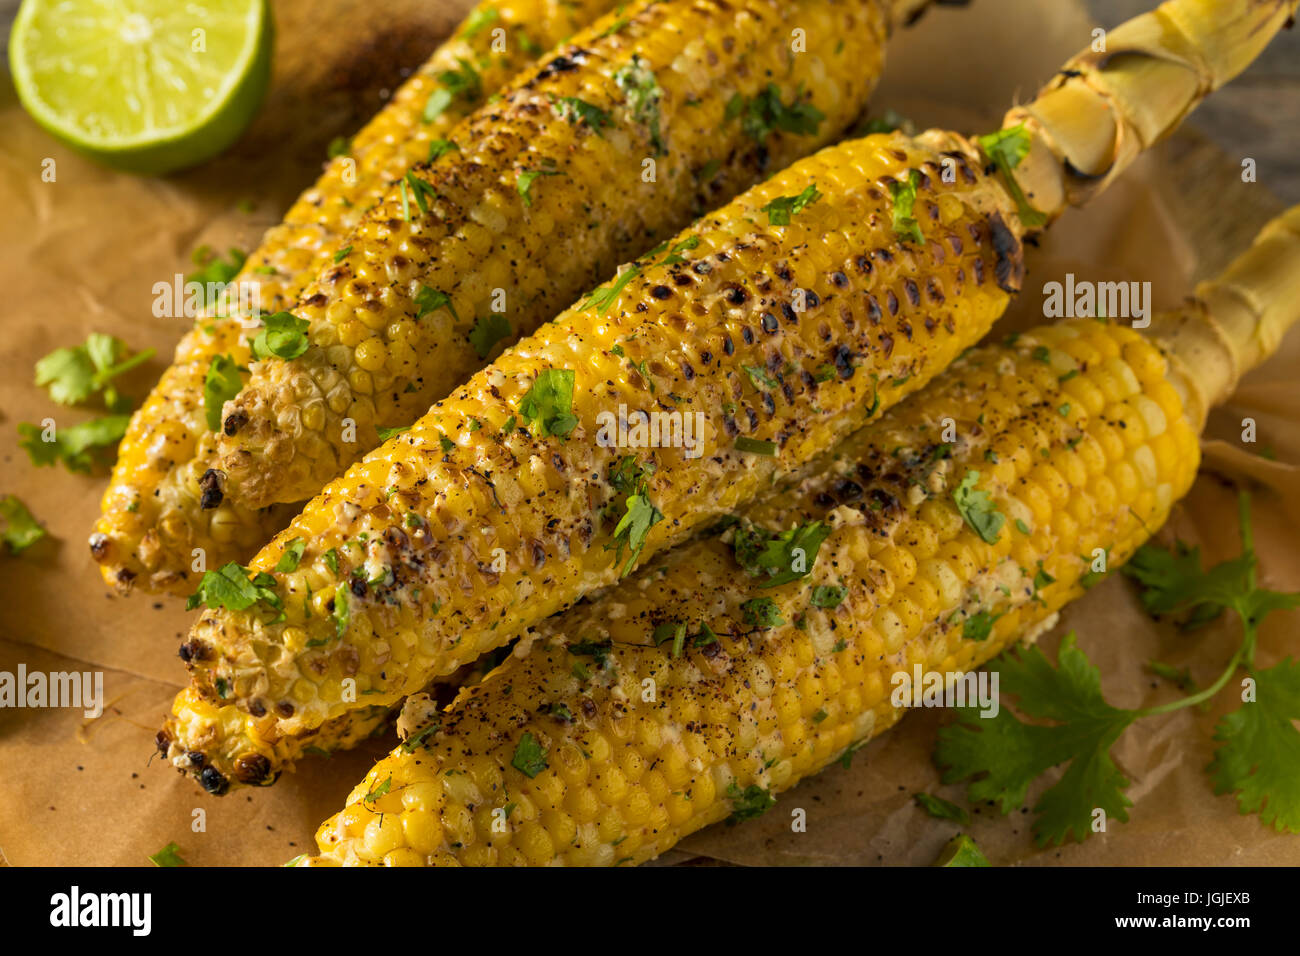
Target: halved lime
{"x":147,"y":86}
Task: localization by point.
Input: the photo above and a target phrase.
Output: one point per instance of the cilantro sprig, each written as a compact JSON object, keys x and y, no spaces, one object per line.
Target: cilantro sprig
{"x":74,"y":374}
{"x":765,"y":113}
{"x":1258,"y":757}
{"x":78,"y":447}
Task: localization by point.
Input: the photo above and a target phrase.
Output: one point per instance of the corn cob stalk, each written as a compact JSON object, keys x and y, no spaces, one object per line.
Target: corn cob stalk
{"x":604,"y":150}
{"x":462,"y":533}
{"x":598,"y":747}
{"x":459,"y":534}
{"x":153,"y":509}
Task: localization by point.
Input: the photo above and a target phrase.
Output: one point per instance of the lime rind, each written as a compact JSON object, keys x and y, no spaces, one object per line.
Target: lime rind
{"x":142,"y":101}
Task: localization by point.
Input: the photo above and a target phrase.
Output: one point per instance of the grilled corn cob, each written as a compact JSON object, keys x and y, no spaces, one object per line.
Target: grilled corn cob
{"x":496,"y":509}
{"x":607,"y":744}
{"x":478,"y":522}
{"x":154,"y":509}
{"x":605,"y":149}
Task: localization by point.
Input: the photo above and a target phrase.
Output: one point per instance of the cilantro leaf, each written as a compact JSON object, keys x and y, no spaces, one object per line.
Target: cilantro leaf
{"x":530,"y":756}
{"x":1171,"y":582}
{"x":580,"y":111}
{"x":479,"y":18}
{"x":431,"y":300}
{"x":603,"y":297}
{"x":904,"y":198}
{"x":487,"y":332}
{"x":283,"y":335}
{"x":633,"y":528}
{"x":19,"y":530}
{"x":642,"y":94}
{"x":978,"y":626}
{"x":1259,"y":754}
{"x":755,"y":446}
{"x":463,"y":83}
{"x":292,"y":555}
{"x":342,"y":609}
{"x":783,"y":556}
{"x":549,"y":403}
{"x":1004,"y":755}
{"x":828,"y":596}
{"x":977,"y":508}
{"x":780,"y":209}
{"x":765,"y":113}
{"x":229,"y":587}
{"x":439,"y":148}
{"x":74,"y":374}
{"x":76,"y":447}
{"x":220,"y":385}
{"x":524,"y":182}
{"x":168,"y":856}
{"x":1006,"y":148}
{"x":762,"y":613}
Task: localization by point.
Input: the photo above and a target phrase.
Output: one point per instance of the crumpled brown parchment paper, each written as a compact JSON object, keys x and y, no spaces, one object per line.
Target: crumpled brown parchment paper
{"x":81,"y":254}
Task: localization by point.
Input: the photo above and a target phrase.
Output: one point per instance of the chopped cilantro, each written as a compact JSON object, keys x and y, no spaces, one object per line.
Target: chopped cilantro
{"x":603,"y":297}
{"x":220,"y":385}
{"x":431,"y":300}
{"x":291,"y":557}
{"x":780,"y":556}
{"x":283,"y":335}
{"x":753,"y":801}
{"x":549,"y":403}
{"x":828,"y":596}
{"x":642,"y":94}
{"x":229,"y":587}
{"x":977,"y":508}
{"x":764,"y":114}
{"x":19,"y":530}
{"x":530,"y":756}
{"x":780,"y":210}
{"x":755,"y":446}
{"x":580,"y":111}
{"x":342,"y":609}
{"x":487,"y":332}
{"x":904,"y":198}
{"x":441,"y":147}
{"x":762,"y":613}
{"x":524,"y":182}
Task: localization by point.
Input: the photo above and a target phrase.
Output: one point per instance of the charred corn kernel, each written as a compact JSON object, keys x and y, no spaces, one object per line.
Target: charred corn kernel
{"x":168,"y":446}
{"x":611,"y":144}
{"x":494,"y":529}
{"x":823,"y":701}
